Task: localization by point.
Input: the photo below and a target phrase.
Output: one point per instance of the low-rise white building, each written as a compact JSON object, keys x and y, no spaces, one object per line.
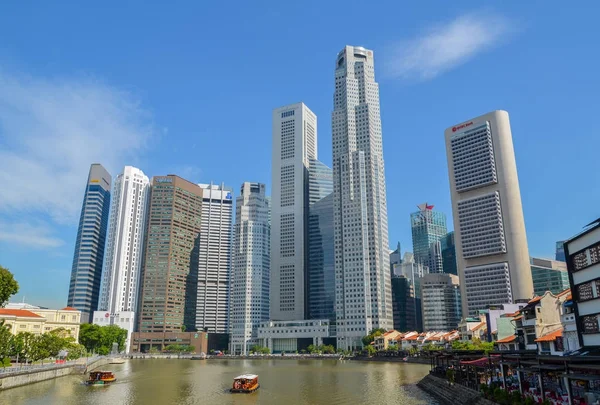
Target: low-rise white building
{"x":284,"y":336}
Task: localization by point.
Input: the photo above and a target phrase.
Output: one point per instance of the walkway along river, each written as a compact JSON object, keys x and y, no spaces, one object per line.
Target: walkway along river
{"x":289,"y":382}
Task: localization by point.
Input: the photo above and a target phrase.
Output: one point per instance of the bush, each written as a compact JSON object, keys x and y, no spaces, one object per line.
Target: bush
{"x":529,"y":401}
{"x":516,"y":398}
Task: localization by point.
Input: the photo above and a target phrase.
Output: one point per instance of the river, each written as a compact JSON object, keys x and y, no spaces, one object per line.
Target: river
{"x":187,"y":382}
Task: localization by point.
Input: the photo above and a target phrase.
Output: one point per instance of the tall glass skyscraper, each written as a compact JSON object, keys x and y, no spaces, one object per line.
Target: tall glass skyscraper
{"x":449,"y":254}
{"x":560,"y":251}
{"x":428,"y":229}
{"x":321,"y":272}
{"x":251,"y":265}
{"x":120,"y":285}
{"x":362,"y":262}
{"x":86,"y":273}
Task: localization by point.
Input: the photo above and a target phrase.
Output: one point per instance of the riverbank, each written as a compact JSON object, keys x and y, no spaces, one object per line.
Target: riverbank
{"x":454,"y":394}
{"x":33,"y":374}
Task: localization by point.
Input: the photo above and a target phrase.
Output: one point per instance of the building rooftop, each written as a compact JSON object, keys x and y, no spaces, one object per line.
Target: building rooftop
{"x":507,"y":339}
{"x":22,"y":313}
{"x":550,"y":337}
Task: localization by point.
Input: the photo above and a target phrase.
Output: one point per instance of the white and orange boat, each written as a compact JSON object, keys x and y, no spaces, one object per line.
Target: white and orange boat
{"x":245,"y":383}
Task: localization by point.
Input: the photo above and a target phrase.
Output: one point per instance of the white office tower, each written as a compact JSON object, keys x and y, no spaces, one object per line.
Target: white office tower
{"x":214,"y":259}
{"x":491,"y":246}
{"x":124,"y":251}
{"x":251,"y":264}
{"x":363,"y":286}
{"x":294,"y":144}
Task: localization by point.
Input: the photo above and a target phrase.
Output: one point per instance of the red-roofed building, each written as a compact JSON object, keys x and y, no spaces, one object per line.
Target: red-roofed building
{"x":382,"y":342}
{"x":30,"y":318}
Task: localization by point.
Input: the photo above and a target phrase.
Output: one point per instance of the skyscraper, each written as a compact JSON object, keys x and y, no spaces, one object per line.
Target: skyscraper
{"x":170,"y":269}
{"x":549,"y":275}
{"x":491,"y":246}
{"x":214,"y":259}
{"x":124,"y":250}
{"x":449,"y":254}
{"x":395,"y":258}
{"x":363,"y":287}
{"x":560,"y":251}
{"x":441,"y":302}
{"x":294,"y":145}
{"x":428,"y":228}
{"x":404,"y":304}
{"x":86,"y":273}
{"x":251,"y":264}
{"x":320,"y":282}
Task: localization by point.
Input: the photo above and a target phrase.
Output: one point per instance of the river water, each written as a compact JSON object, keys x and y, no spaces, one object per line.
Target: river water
{"x":187,"y":382}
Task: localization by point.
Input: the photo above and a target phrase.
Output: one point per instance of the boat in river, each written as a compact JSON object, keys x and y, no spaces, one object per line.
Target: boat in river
{"x":101,"y":378}
{"x":245,"y":383}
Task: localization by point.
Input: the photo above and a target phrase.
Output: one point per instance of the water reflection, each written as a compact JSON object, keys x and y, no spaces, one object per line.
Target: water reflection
{"x":188,"y":382}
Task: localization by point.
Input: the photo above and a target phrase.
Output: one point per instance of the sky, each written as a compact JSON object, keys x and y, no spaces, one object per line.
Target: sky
{"x":188,"y":88}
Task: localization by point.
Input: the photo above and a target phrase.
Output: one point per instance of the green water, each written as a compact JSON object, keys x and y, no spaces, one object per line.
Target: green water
{"x":287,"y":382}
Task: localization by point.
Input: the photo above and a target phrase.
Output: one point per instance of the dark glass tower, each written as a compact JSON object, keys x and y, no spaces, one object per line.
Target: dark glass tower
{"x":449,"y":254}
{"x":320,"y":285}
{"x":428,"y":228}
{"x":86,"y":273}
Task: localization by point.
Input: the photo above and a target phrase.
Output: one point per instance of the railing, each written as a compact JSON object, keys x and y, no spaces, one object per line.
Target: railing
{"x":29,"y":368}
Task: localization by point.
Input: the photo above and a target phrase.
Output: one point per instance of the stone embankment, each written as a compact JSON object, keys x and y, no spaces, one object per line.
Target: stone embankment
{"x":454,"y":394}
{"x":33,"y":374}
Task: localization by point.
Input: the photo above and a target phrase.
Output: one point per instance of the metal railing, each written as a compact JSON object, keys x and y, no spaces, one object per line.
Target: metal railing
{"x":29,"y":368}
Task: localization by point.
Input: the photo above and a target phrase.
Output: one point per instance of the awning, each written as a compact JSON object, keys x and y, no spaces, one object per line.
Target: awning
{"x":482,"y":362}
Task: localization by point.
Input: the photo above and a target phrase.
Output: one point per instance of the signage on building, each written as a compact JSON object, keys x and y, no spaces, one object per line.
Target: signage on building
{"x":164,"y":180}
{"x":461,"y":126}
{"x":228,"y":196}
{"x":94,"y":181}
{"x":106,"y":315}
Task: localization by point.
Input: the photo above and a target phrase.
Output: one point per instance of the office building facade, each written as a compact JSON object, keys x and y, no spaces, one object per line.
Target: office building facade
{"x":294,"y":145}
{"x":86,"y":272}
{"x":428,"y":228}
{"x":395,"y":258}
{"x":560,"y":251}
{"x":214,"y":259}
{"x":449,"y":254}
{"x":491,"y":245}
{"x":363,"y":286}
{"x":548,"y":275}
{"x":251,"y":267}
{"x":441,"y":302}
{"x":170,"y":269}
{"x":119,"y":292}
{"x":583,"y":263}
{"x":404,"y":304}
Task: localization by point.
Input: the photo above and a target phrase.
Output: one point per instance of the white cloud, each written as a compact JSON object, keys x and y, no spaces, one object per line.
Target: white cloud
{"x":36,"y":236}
{"x":446,"y":46}
{"x":51,"y":130}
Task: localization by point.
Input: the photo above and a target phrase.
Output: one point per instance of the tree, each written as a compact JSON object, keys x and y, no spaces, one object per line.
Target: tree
{"x":100,"y":339}
{"x":8,"y":286}
{"x":372,"y":335}
{"x":371,"y":350}
{"x":5,"y":343}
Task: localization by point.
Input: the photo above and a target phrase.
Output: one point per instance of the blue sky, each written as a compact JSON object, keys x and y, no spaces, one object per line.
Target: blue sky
{"x":187,"y":88}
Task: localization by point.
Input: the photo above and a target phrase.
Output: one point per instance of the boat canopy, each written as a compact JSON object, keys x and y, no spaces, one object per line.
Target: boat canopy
{"x":246,"y":377}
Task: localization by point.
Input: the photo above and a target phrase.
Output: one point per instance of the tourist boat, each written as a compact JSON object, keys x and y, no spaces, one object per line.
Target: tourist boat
{"x":117,"y":360}
{"x":101,"y":378}
{"x":245,"y":383}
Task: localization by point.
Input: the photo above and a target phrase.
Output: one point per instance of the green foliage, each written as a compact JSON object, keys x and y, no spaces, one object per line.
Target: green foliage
{"x":372,"y":335}
{"x":450,"y":375}
{"x":8,"y":286}
{"x":326,"y":349}
{"x":260,"y":350}
{"x":153,"y":350}
{"x":515,"y":398}
{"x":475,"y":344}
{"x":99,"y":339}
{"x":5,"y":343}
{"x":370,"y":350}
{"x":393,"y":348}
{"x":500,"y":396}
{"x":529,"y":401}
{"x":179,"y":349}
{"x":431,"y":348}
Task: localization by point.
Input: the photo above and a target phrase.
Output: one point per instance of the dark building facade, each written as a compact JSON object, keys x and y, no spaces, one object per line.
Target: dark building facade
{"x":407,"y":308}
{"x":449,"y":254}
{"x":169,"y":271}
{"x":86,"y":272}
{"x":320,"y":280}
